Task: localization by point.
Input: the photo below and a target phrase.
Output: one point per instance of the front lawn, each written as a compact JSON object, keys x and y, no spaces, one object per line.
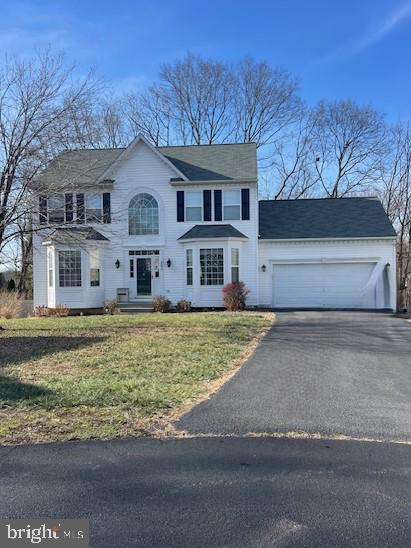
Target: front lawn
{"x":114,"y":376}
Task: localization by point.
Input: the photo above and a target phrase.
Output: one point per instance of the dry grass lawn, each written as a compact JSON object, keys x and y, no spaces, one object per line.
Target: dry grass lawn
{"x":114,"y":376}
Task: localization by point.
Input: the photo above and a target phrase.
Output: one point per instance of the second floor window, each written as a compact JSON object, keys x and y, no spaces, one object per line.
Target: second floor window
{"x":93,"y":208}
{"x":194,"y":206}
{"x":56,"y":209}
{"x":231,"y":205}
{"x":143,"y":215}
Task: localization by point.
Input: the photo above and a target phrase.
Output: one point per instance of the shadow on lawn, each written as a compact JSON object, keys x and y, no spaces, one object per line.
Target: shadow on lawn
{"x":16,"y":350}
{"x":13,"y":391}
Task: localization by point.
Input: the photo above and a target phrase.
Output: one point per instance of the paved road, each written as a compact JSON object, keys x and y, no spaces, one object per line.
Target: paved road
{"x":328,"y":372}
{"x":216,"y":492}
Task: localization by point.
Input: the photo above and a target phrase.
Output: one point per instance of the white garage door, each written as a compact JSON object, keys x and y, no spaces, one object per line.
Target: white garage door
{"x":322,"y":285}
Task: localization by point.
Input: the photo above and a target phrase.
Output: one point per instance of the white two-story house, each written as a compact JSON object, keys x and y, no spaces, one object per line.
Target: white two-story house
{"x":133,"y":223}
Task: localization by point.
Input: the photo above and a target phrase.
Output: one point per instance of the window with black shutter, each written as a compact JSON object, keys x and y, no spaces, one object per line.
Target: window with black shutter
{"x":80,"y":208}
{"x":180,"y":206}
{"x":69,"y":208}
{"x":218,"y":209}
{"x":43,"y":210}
{"x":106,"y":207}
{"x":207,"y":205}
{"x":245,"y":204}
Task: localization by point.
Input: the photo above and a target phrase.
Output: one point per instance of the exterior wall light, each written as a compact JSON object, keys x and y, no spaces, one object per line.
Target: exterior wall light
{"x":168,"y":263}
{"x":263,"y":268}
{"x":117,"y":263}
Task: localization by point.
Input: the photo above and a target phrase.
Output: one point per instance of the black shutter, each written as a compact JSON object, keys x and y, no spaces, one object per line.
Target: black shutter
{"x":180,"y":206}
{"x":245,"y":204}
{"x":80,"y":208}
{"x":207,"y":204}
{"x":69,"y":208}
{"x":218,"y":208}
{"x":106,"y":207}
{"x":43,"y":210}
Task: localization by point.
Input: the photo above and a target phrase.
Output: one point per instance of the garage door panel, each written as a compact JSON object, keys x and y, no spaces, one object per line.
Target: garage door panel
{"x":322,"y":285}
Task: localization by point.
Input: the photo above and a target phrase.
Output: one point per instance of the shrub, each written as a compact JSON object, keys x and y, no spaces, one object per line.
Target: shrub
{"x":235,"y":296}
{"x":111,"y":307}
{"x":161,"y":304}
{"x":41,"y":311}
{"x":11,"y":305}
{"x":61,"y":310}
{"x":183,"y":306}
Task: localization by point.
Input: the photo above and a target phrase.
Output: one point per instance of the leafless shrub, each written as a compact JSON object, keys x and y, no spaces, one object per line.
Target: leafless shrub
{"x":11,"y":305}
{"x":183,"y":306}
{"x":161,"y":304}
{"x":111,"y":307}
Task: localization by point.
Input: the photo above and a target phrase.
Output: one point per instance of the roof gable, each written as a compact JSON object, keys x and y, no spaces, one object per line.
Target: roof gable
{"x":323,"y":218}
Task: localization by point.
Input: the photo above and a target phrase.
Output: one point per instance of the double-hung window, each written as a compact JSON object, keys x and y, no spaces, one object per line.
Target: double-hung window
{"x":70,"y":268}
{"x":231,"y":205}
{"x":189,"y":266}
{"x":93,"y":208}
{"x":235,"y":264}
{"x":94,"y":258}
{"x":56,"y":209}
{"x":212,"y":266}
{"x":194,"y":205}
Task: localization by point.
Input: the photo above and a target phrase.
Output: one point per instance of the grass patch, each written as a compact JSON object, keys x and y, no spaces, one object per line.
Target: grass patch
{"x":113,"y":376}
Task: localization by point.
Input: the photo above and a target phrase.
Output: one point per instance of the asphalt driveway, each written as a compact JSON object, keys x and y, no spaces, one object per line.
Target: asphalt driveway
{"x":327,"y":372}
{"x":216,"y":492}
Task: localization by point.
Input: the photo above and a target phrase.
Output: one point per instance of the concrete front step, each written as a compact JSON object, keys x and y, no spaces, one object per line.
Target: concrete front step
{"x":135,"y":308}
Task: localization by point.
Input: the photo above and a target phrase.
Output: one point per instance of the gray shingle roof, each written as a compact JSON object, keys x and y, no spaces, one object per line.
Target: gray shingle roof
{"x":76,"y":234}
{"x":196,"y":162}
{"x":236,"y":162}
{"x":79,"y":167}
{"x":323,"y":218}
{"x":212,"y":231}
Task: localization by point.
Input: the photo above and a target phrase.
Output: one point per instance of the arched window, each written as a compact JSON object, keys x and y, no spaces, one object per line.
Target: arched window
{"x":143,"y":215}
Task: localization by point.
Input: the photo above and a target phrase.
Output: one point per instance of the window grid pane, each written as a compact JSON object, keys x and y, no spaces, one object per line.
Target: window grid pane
{"x":212,"y":266}
{"x":232,"y":205}
{"x":70,"y":268}
{"x":143,"y":215}
{"x":56,"y":209}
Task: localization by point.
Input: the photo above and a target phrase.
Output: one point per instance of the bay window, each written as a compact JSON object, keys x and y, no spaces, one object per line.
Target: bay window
{"x":94,"y":258}
{"x":189,"y":266}
{"x":235,"y":264}
{"x":70,"y":268}
{"x":194,"y":205}
{"x":212,"y":266}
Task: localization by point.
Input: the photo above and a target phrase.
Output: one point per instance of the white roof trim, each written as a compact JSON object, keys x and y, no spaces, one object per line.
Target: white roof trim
{"x":215,"y":182}
{"x":346,"y":239}
{"x":131,"y":146}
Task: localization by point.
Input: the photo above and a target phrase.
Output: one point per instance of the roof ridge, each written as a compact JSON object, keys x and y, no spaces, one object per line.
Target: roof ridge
{"x":207,"y":145}
{"x":328,"y":198}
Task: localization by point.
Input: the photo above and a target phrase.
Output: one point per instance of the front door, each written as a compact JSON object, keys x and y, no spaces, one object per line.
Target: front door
{"x":143,"y":276}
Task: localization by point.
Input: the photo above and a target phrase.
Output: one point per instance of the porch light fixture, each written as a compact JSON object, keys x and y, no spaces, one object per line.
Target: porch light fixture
{"x":168,"y":263}
{"x":387,"y":265}
{"x":117,"y":263}
{"x":263,"y":268}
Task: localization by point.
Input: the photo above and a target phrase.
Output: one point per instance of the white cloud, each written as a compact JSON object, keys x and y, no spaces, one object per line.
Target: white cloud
{"x":385,"y":27}
{"x":371,"y":36}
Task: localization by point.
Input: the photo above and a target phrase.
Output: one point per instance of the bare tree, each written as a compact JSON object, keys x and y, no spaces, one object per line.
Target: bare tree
{"x":396,"y":196}
{"x":348,"y":144}
{"x":265,"y":102}
{"x":198,"y":92}
{"x":149,"y":112}
{"x":290,"y":168}
{"x":36,"y":97}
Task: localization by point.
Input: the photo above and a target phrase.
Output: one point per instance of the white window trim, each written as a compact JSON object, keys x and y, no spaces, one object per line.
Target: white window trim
{"x":232,"y":205}
{"x":191,"y":267}
{"x":224,"y":266}
{"x":188,"y":207}
{"x":232,"y":265}
{"x":86,"y":207}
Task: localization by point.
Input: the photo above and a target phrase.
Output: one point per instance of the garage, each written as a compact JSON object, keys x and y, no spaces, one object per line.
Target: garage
{"x":326,"y":253}
{"x":323,"y":285}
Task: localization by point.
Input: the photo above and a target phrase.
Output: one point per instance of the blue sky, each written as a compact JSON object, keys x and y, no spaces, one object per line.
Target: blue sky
{"x":358,"y":49}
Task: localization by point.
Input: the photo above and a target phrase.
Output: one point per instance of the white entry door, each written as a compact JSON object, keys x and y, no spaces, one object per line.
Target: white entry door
{"x":322,"y":285}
